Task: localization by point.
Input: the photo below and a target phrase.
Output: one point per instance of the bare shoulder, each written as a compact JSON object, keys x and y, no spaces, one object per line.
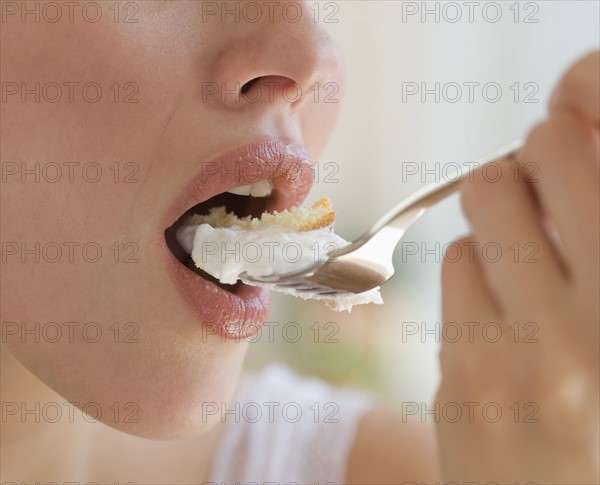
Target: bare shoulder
{"x":391,"y":450}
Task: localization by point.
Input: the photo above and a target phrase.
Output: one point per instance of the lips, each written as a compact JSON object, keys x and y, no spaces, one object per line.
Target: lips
{"x":235,"y":311}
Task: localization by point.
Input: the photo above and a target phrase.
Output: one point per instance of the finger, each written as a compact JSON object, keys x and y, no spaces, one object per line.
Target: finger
{"x":579,"y":90}
{"x":565,"y":152}
{"x":519,"y":262}
{"x":466,"y":304}
{"x":465,"y":294}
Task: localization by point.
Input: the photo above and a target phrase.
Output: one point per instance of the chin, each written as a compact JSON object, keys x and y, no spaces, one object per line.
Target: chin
{"x":169,"y":426}
{"x":163,"y":392}
{"x":180,"y":401}
{"x":178,"y":409}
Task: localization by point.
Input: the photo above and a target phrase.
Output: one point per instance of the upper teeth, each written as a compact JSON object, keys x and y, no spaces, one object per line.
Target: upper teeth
{"x":262,"y":188}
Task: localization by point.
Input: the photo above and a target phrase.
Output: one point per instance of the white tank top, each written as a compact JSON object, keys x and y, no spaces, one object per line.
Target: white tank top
{"x":286,"y":429}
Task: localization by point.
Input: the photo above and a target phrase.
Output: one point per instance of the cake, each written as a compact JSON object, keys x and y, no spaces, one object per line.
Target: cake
{"x":227,"y":246}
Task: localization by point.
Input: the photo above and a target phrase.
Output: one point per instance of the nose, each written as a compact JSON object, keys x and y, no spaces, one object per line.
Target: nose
{"x":280,"y":58}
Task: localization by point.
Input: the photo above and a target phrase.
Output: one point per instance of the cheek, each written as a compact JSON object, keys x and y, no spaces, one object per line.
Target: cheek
{"x":79,"y":128}
{"x":320,"y":111}
{"x":67,"y":200}
{"x":80,"y":235}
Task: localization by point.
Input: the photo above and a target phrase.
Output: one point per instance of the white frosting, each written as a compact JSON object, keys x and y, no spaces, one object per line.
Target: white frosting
{"x":226,"y":253}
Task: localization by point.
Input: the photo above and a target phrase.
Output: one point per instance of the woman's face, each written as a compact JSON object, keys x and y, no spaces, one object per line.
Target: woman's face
{"x":116,"y":119}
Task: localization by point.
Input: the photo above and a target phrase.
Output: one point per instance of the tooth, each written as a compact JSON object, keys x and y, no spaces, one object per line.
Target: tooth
{"x":261,"y":188}
{"x":243,"y":190}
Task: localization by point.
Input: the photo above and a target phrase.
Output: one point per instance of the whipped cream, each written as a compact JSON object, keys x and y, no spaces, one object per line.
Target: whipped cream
{"x":226,"y":253}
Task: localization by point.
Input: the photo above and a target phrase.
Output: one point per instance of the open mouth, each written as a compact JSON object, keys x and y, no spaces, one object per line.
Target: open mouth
{"x":266,"y":176}
{"x":247,"y":200}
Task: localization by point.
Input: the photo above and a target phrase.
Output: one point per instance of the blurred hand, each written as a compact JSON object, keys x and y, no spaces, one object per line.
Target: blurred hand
{"x":527,"y":285}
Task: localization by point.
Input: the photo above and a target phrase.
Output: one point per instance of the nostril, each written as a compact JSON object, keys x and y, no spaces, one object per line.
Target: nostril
{"x":246,"y":87}
{"x":273,"y":89}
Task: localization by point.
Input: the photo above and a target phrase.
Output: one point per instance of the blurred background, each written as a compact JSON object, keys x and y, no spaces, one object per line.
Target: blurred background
{"x":495,"y":64}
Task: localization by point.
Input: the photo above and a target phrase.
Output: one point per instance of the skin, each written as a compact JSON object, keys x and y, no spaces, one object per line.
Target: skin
{"x":558,"y":292}
{"x":175,"y":366}
{"x":169,"y":133}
